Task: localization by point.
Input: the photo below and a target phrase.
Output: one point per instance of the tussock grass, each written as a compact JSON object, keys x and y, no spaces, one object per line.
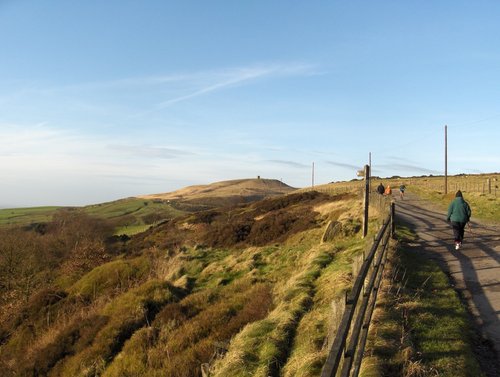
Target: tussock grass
{"x":185,"y":334}
{"x":317,"y":328}
{"x":300,"y":322}
{"x":121,"y":317}
{"x":116,"y":275}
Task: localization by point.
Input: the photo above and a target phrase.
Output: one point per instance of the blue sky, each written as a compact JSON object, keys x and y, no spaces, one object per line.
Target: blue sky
{"x":104,"y":100}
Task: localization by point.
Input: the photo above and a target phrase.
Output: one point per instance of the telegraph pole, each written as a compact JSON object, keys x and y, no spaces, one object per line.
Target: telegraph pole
{"x":313,"y":175}
{"x":445,"y":159}
{"x":366,"y":200}
{"x":370,"y":165}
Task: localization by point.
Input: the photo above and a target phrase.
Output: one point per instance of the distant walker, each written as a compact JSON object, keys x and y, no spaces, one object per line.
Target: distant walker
{"x":402,"y":189}
{"x":459,"y":214}
{"x":381,"y":189}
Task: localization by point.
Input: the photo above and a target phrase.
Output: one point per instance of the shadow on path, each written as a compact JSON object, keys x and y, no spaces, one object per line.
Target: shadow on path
{"x":474,"y":269}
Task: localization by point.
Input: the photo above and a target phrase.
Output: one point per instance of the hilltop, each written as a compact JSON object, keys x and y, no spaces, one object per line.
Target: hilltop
{"x":225,"y":192}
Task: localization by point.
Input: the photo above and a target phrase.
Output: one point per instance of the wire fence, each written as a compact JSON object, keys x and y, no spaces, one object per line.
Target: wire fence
{"x":484,"y":185}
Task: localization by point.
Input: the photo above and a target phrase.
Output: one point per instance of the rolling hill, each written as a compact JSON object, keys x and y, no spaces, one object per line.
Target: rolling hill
{"x":224,"y":193}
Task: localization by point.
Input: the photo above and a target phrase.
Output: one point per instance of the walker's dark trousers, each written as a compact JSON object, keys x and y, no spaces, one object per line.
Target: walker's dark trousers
{"x":458,"y":231}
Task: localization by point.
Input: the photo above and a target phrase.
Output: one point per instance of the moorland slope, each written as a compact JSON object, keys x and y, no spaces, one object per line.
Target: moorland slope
{"x":243,"y":290}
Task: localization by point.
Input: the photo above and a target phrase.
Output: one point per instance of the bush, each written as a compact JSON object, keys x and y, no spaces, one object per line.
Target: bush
{"x":118,"y":274}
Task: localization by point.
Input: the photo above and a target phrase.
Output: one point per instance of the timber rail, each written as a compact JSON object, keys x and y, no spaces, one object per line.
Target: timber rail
{"x":348,"y":347}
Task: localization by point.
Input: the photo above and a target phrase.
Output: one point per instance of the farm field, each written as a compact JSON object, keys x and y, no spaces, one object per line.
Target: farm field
{"x":128,"y":215}
{"x":25,"y":216}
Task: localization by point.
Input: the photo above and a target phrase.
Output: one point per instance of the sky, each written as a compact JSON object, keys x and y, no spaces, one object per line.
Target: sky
{"x":101,"y":100}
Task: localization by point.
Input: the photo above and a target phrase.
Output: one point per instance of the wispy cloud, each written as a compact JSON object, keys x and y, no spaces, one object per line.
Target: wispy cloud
{"x":147,"y":151}
{"x":19,"y":139}
{"x":408,"y":169}
{"x":344,"y":165}
{"x":134,"y":97}
{"x":234,"y":77}
{"x":292,"y":164}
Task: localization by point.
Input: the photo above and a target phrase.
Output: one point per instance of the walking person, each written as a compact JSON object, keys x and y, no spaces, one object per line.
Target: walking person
{"x":459,"y":213}
{"x":381,"y":189}
{"x":402,"y":189}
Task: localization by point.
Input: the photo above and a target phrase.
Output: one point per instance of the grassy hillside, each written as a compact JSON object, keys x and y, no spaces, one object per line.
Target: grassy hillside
{"x":245,"y":290}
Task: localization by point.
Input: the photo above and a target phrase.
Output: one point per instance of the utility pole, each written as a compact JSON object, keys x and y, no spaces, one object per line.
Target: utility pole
{"x":370,"y":165}
{"x":313,"y":175}
{"x":445,"y":159}
{"x":366,"y":200}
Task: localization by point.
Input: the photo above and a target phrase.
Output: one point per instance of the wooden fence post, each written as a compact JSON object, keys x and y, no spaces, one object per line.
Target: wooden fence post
{"x":393,"y":227}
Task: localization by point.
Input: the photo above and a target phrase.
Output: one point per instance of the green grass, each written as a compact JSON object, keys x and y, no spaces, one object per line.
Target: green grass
{"x":130,"y":230}
{"x":25,"y":216}
{"x":423,"y":330}
{"x":131,"y":215}
{"x":118,"y":208}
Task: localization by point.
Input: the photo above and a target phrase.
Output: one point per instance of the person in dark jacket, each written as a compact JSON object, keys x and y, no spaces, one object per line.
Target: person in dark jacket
{"x":381,"y":189}
{"x":459,"y":213}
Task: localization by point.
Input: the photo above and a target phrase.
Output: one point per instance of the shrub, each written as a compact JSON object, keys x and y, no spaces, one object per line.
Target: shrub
{"x":118,"y":274}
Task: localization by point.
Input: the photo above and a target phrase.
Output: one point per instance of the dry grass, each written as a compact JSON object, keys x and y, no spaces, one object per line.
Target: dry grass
{"x":239,"y":187}
{"x":269,"y":297}
{"x":184,"y":334}
{"x":291,"y":339}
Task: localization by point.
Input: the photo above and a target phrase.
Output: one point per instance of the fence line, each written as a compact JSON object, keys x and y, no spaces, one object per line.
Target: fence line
{"x":351,"y":353}
{"x":472,"y":184}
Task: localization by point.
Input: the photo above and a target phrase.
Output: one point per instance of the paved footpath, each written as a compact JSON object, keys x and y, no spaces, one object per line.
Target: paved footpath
{"x":474,"y":269}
